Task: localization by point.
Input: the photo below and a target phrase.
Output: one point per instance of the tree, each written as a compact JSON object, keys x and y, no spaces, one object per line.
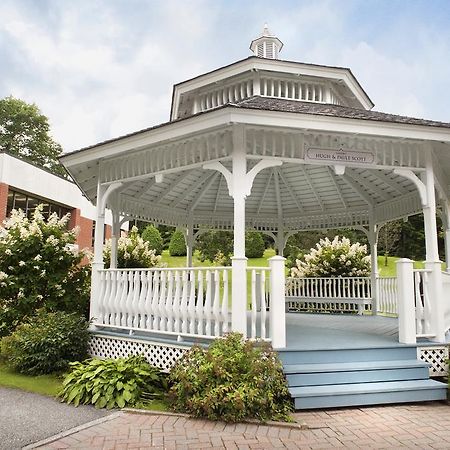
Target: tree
{"x":25,"y":132}
{"x":177,"y":246}
{"x":152,"y":235}
{"x":388,"y":237}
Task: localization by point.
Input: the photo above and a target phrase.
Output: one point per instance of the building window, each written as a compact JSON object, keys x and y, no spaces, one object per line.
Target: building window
{"x":28,"y":203}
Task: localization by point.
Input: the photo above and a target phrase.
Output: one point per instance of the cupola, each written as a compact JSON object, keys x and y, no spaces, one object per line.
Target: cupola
{"x":266,"y":45}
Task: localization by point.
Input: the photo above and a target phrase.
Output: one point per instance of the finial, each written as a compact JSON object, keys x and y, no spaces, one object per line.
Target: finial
{"x":266,"y":45}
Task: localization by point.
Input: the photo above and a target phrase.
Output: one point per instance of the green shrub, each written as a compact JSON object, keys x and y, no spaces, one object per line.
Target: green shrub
{"x":47,"y":343}
{"x":132,"y":252}
{"x":39,"y":267}
{"x":177,"y":246}
{"x":215,"y":246}
{"x":254,"y":245}
{"x":232,"y":380}
{"x":111,"y":383}
{"x":152,"y":235}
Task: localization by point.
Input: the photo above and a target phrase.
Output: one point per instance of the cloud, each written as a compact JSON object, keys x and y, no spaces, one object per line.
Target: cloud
{"x":101,"y":68}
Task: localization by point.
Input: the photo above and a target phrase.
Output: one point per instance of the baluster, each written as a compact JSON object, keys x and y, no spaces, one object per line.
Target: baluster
{"x":320,"y":283}
{"x":148,"y":301}
{"x":135,"y":301}
{"x":191,"y":305}
{"x":253,"y":305}
{"x":115,"y":305}
{"x":225,"y":302}
{"x":109,"y":298}
{"x":141,"y":301}
{"x":99,"y":300}
{"x":263,"y":304}
{"x":216,"y":303}
{"x":176,"y":302}
{"x":200,"y":306}
{"x":183,"y":303}
{"x":207,"y":307}
{"x":123,"y":302}
{"x":169,"y":301}
{"x":155,"y":299}
{"x":161,"y":301}
{"x":418,"y":301}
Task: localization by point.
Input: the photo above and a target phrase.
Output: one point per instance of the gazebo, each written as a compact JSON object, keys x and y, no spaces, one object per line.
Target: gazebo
{"x":275,"y":146}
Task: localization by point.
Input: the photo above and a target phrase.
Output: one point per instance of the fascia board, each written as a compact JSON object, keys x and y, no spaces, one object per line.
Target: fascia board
{"x":339,"y":125}
{"x":184,"y":128}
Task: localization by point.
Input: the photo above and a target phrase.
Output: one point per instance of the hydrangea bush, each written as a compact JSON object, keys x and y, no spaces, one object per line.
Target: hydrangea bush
{"x":132,"y":252}
{"x":39,"y":268}
{"x":336,"y":258}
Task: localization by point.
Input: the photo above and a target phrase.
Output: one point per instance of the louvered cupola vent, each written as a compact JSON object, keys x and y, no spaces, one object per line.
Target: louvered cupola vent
{"x":266,"y":45}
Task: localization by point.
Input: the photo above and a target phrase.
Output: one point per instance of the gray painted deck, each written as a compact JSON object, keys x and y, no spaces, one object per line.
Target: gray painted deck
{"x":322,"y":331}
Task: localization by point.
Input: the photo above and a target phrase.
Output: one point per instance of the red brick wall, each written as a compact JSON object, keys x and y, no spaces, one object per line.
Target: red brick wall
{"x":108,"y":232}
{"x":84,"y":238}
{"x":3,"y":201}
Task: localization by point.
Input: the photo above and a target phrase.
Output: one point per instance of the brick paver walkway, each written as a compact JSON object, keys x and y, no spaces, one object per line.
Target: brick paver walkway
{"x":418,"y":426}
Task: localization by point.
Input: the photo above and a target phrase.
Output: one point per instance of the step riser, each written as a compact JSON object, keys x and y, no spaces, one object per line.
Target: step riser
{"x":347,"y":355}
{"x":360,"y":376}
{"x":370,"y":399}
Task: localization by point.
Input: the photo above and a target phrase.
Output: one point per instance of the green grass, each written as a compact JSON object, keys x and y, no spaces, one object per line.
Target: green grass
{"x":43,"y":384}
{"x":391,"y":269}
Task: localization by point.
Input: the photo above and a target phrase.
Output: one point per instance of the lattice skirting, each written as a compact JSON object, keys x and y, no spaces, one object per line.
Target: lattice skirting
{"x":437,"y":357}
{"x":157,"y":354}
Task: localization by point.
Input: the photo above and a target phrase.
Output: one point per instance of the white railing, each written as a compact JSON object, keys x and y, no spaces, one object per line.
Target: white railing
{"x":422,"y":302}
{"x":182,"y":302}
{"x":387,"y":295}
{"x":330,"y":294}
{"x":446,"y":297}
{"x":259,"y":301}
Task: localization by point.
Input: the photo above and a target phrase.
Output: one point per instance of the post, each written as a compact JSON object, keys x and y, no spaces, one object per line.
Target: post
{"x":97,"y":263}
{"x":114,"y":239}
{"x":432,"y":256}
{"x":373,"y":242}
{"x":280,"y":242}
{"x":406,"y":308}
{"x":277,"y":302}
{"x":189,"y":243}
{"x":239,"y":261}
{"x":447,"y":249}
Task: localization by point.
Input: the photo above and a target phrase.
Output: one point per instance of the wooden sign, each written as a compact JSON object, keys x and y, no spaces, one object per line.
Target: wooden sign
{"x":341,"y":156}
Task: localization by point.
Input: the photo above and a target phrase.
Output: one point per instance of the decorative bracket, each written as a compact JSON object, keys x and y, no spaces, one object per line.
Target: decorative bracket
{"x":247,"y":182}
{"x":410,"y":175}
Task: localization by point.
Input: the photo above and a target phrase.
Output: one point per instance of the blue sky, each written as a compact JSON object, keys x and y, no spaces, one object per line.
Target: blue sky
{"x":102,"y":68}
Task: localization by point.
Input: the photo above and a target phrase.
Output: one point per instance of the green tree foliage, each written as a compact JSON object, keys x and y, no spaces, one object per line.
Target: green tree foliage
{"x":177,"y":246}
{"x":111,"y":383}
{"x":39,"y":268}
{"x":254,"y":244}
{"x":212,"y":243}
{"x":46,"y":343}
{"x":152,"y":235}
{"x":25,"y":132}
{"x":232,"y":380}
{"x":388,"y":238}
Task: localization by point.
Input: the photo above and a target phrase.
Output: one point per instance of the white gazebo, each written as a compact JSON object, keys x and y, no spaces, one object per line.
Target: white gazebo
{"x":275,"y":146}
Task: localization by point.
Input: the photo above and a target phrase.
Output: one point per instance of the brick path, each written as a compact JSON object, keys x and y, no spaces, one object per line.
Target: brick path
{"x":418,"y":426}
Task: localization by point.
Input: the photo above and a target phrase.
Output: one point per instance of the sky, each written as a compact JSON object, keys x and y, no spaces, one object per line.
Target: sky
{"x":102,"y":68}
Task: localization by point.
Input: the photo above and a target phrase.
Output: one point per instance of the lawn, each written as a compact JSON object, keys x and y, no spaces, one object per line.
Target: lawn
{"x":43,"y":384}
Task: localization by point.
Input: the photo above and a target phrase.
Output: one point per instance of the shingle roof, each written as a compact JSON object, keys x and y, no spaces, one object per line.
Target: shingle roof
{"x":295,"y":106}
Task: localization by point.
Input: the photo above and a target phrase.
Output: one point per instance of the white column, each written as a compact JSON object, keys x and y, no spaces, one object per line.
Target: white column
{"x":239,"y":261}
{"x":432,"y":256}
{"x":97,"y":263}
{"x":406,"y":308}
{"x":447,"y":248}
{"x":277,"y":309}
{"x":446,"y":225}
{"x":373,"y":242}
{"x":189,"y":243}
{"x":114,"y":239}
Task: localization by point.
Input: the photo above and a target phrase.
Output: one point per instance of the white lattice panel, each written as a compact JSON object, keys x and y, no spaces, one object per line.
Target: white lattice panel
{"x":159,"y":355}
{"x":437,"y":357}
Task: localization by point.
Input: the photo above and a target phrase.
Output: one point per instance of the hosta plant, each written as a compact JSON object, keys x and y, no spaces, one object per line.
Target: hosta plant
{"x":233,"y":380}
{"x":111,"y":383}
{"x":336,"y":258}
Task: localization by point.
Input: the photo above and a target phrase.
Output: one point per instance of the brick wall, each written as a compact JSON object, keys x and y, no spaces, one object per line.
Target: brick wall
{"x":84,"y":238}
{"x":3,"y":201}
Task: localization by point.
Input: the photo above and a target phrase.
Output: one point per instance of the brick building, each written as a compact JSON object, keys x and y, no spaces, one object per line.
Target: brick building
{"x":24,"y":185}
